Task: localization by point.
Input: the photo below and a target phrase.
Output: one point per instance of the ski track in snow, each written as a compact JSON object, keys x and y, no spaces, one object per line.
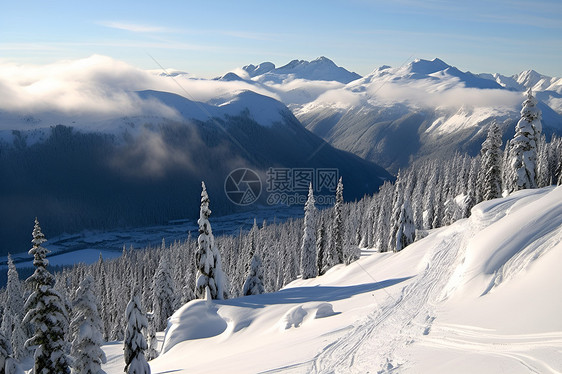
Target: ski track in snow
{"x":375,"y":344}
{"x":473,"y":340}
{"x":395,"y":323}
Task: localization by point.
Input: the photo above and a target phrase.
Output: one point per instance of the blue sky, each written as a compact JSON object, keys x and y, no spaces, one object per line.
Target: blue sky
{"x":208,"y":38}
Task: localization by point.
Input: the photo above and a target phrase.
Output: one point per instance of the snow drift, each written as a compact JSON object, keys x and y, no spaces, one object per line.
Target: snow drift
{"x":481,"y":295}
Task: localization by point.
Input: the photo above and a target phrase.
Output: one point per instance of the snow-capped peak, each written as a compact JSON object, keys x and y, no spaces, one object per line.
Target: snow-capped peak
{"x":320,"y":69}
{"x":420,"y":66}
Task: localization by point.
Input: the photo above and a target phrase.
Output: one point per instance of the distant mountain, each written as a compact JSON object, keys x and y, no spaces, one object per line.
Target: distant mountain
{"x":423,"y":108}
{"x":322,"y":69}
{"x":144,"y":170}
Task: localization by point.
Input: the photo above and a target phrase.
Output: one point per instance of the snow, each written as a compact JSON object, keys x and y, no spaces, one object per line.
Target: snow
{"x":481,"y":295}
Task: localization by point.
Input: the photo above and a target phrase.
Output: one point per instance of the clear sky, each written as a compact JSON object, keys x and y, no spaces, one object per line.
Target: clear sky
{"x":209,"y":38}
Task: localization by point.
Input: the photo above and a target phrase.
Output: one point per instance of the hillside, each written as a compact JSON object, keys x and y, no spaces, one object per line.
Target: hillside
{"x":481,"y":295}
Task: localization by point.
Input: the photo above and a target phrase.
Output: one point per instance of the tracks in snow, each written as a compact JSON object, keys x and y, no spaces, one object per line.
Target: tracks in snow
{"x":371,"y":344}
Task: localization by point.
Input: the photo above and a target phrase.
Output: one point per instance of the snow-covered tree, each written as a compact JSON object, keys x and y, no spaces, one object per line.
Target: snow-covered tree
{"x":207,"y":257}
{"x":254,"y":281}
{"x":163,"y":297}
{"x":85,"y":328}
{"x":5,"y":352}
{"x":152,"y":342}
{"x":491,"y":174}
{"x":46,"y":310}
{"x":523,"y":147}
{"x":135,"y":343}
{"x":309,"y":266}
{"x":18,"y":341}
{"x":14,"y":291}
{"x":397,"y":207}
{"x":406,"y":231}
{"x":337,"y":250}
{"x":321,"y":247}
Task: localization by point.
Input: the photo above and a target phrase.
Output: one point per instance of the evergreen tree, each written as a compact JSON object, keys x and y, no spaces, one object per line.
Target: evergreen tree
{"x":47,"y":312}
{"x":152,"y":342}
{"x":18,"y":342}
{"x":337,"y":252}
{"x":523,"y":147}
{"x":5,"y":352}
{"x":309,"y":267}
{"x":135,"y":344}
{"x":254,"y":282}
{"x":14,"y":291}
{"x":490,"y":177}
{"x":86,"y":329}
{"x":406,"y":232}
{"x":163,"y":297}
{"x":321,"y":247}
{"x":396,"y":211}
{"x":207,"y":257}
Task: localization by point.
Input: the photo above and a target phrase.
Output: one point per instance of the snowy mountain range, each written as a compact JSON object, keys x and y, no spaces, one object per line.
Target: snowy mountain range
{"x":425,"y":108}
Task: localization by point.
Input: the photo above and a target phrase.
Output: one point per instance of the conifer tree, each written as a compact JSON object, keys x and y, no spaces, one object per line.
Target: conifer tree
{"x":47,"y":312}
{"x":5,"y":352}
{"x":254,"y":281}
{"x":397,"y":202}
{"x":207,"y":257}
{"x":152,"y":342}
{"x":406,"y":232}
{"x":86,"y":329}
{"x":321,"y":247}
{"x":163,"y":297}
{"x":337,"y":252}
{"x":523,"y":147}
{"x":135,"y":343}
{"x":14,"y":291}
{"x":490,"y":177}
{"x":309,"y":268}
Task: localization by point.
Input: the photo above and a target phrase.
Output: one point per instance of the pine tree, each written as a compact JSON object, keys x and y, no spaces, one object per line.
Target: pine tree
{"x":47,"y":312}
{"x":406,"y":232}
{"x":18,"y":341}
{"x":397,"y":203}
{"x":14,"y":291}
{"x":309,"y":258}
{"x":523,"y":147}
{"x":321,"y":247}
{"x":207,"y":257}
{"x":135,"y":343}
{"x":152,"y":342}
{"x":163,"y":297}
{"x":5,"y":352}
{"x":337,"y":252}
{"x":254,"y":281}
{"x":491,"y":174}
{"x":86,"y":329}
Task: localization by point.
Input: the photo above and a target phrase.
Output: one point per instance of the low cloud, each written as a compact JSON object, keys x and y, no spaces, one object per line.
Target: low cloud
{"x":448,"y":94}
{"x":99,"y":88}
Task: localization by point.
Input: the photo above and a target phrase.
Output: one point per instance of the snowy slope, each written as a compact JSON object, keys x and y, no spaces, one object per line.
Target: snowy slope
{"x":481,"y":295}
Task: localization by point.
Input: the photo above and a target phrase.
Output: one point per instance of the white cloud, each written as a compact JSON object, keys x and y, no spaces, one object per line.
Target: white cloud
{"x":98,"y":88}
{"x":134,"y":27}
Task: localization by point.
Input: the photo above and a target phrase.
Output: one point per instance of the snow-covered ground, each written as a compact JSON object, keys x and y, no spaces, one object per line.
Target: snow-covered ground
{"x":482,"y":295}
